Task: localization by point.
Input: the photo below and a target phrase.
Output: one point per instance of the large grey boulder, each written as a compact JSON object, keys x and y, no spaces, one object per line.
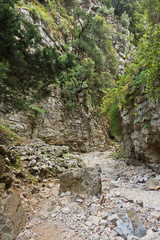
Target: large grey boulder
{"x":12,"y":217}
{"x":129,"y":224}
{"x":138,"y":227}
{"x":124,"y":225}
{"x":85,"y":181}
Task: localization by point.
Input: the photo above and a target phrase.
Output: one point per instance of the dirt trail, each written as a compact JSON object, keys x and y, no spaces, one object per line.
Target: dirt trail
{"x":54,"y":217}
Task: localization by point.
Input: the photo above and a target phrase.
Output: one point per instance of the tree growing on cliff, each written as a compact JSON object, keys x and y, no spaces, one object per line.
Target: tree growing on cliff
{"x":144,"y":69}
{"x":95,"y":58}
{"x":26,"y":68}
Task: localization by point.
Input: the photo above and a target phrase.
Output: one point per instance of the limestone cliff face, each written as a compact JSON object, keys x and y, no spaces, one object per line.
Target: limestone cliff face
{"x":77,"y":129}
{"x":141,"y":131}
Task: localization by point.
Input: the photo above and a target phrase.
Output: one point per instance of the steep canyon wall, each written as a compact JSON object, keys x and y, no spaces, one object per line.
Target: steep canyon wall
{"x":77,"y":129}
{"x":141,"y":131}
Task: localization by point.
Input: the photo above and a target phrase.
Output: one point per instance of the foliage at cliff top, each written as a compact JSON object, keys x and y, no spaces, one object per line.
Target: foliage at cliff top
{"x":84,"y":61}
{"x":144,"y":69}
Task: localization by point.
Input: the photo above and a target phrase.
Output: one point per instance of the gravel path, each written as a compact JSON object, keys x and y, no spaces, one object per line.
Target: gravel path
{"x":76,"y":217}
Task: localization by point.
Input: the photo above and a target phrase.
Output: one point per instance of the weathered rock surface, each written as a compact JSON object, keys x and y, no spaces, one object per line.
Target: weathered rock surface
{"x":141,"y":132}
{"x":137,"y":225}
{"x":5,"y":174}
{"x":81,"y":181}
{"x":78,"y":130}
{"x":128,"y":223}
{"x":12,"y":217}
{"x":124,"y":225}
{"x":2,"y":165}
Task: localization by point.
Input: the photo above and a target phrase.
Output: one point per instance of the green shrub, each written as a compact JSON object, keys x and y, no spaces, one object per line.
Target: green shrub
{"x":114,"y":121}
{"x":125,"y":20}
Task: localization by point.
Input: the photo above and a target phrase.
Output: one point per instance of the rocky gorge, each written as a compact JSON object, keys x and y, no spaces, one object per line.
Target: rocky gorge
{"x":112,"y":200}
{"x":63,"y":173}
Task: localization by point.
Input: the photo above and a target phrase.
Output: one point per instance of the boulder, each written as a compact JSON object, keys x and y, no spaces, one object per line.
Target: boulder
{"x":129,"y":224}
{"x":81,"y":181}
{"x":12,"y":217}
{"x":124,"y":225}
{"x":138,"y":227}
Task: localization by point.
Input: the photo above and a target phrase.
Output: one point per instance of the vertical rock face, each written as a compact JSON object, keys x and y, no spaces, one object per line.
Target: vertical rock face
{"x":141,"y":132}
{"x":12,"y":217}
{"x":78,"y":130}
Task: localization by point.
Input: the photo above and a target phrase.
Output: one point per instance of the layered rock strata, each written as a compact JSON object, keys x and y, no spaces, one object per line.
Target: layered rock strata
{"x":76,"y":129}
{"x":141,"y":131}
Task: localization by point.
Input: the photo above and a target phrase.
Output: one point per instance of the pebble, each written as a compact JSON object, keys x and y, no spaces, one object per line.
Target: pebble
{"x":89,"y":224}
{"x":72,"y":227}
{"x":95,"y":220}
{"x":66,"y":210}
{"x":68,"y":193}
{"x":62,"y":194}
{"x":140,"y":203}
{"x":103,"y":222}
{"x":79,"y":200}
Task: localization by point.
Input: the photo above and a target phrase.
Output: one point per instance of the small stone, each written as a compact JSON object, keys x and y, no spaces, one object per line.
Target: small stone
{"x":50,"y":185}
{"x":151,"y":188}
{"x":53,"y":215}
{"x":32,"y":163}
{"x":65,"y":210}
{"x":94,"y":209}
{"x":113,"y":219}
{"x":96,"y":236}
{"x":63,"y":201}
{"x":104,"y":215}
{"x":35,"y":168}
{"x":79,"y":200}
{"x":96,"y":220}
{"x":113,"y":233}
{"x":130,"y":200}
{"x":103,"y":222}
{"x":62,"y":194}
{"x":72,"y":227}
{"x":35,"y":190}
{"x":157,"y":188}
{"x":89,"y":224}
{"x":156,"y":215}
{"x":117,"y":194}
{"x":68,"y":193}
{"x":139,"y":202}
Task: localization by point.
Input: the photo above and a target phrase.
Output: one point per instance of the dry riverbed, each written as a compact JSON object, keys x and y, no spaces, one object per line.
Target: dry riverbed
{"x":129,"y":195}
